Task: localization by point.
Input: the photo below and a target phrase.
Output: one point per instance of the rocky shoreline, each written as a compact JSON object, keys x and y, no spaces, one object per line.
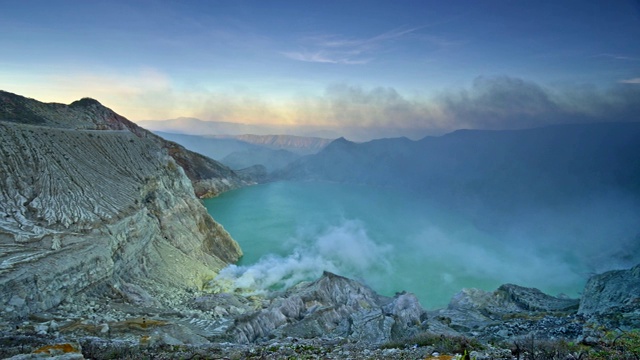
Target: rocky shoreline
{"x":330,"y":318}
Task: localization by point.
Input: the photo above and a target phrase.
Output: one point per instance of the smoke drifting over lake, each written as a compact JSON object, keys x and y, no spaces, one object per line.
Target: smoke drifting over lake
{"x":342,"y":248}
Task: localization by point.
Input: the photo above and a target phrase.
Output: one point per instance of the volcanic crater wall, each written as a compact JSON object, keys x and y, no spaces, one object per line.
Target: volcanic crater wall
{"x":81,"y":207}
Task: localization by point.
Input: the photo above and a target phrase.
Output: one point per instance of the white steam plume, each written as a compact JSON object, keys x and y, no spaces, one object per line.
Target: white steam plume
{"x":345,"y":249}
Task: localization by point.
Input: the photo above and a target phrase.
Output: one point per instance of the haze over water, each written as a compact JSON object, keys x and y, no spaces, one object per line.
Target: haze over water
{"x":387,"y":238}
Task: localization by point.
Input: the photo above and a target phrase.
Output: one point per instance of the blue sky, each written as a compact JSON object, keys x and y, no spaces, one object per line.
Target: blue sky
{"x":428,"y":65}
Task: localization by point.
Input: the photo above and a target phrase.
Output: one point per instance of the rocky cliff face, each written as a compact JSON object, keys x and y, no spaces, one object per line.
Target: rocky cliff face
{"x":88,"y":199}
{"x":612,"y":299}
{"x":612,"y":291}
{"x":209,"y":177}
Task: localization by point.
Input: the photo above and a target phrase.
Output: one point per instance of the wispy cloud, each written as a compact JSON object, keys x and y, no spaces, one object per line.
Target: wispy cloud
{"x":630,"y":81}
{"x":618,"y":57}
{"x":363,"y":113}
{"x":336,"y":49}
{"x":323,"y":57}
{"x":490,"y":103}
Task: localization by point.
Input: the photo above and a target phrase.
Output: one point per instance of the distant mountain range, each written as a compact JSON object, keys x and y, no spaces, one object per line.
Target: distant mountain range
{"x":193,"y":126}
{"x":302,"y":145}
{"x":504,"y":171}
{"x":242,"y":151}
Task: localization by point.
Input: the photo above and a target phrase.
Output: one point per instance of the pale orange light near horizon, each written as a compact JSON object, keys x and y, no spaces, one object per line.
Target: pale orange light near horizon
{"x":489,"y":103}
{"x":149,"y":94}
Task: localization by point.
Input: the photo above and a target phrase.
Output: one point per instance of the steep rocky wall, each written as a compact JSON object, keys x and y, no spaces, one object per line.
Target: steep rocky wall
{"x":81,"y":207}
{"x":209,"y":177}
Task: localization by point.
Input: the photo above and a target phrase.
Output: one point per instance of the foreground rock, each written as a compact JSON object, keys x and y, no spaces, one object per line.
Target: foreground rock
{"x":510,"y":312}
{"x":613,"y":291}
{"x":612,"y":299}
{"x":330,"y":318}
{"x":333,"y":306}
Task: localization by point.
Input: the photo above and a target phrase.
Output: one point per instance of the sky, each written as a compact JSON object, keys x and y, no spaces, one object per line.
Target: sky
{"x":399,"y":67}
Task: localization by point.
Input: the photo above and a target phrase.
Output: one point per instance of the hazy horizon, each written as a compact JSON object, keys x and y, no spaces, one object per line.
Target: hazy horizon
{"x":352,"y":134}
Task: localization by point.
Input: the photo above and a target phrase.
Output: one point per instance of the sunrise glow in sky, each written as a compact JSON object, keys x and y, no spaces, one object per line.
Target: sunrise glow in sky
{"x":427,"y":65}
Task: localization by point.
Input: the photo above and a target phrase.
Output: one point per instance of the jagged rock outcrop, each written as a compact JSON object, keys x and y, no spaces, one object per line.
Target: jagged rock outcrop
{"x":510,"y":311}
{"x":332,"y":317}
{"x":612,"y":291}
{"x":88,"y":199}
{"x":333,"y":306}
{"x":612,"y":299}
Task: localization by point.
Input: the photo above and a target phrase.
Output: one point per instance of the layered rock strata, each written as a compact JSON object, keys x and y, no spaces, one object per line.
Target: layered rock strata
{"x":209,"y":177}
{"x":88,"y":199}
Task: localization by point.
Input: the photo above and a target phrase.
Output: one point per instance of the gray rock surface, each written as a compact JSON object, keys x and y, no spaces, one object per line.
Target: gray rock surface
{"x":330,"y":318}
{"x":335,"y":306}
{"x":611,"y":291}
{"x":612,"y":299}
{"x":88,"y":199}
{"x":510,"y":311}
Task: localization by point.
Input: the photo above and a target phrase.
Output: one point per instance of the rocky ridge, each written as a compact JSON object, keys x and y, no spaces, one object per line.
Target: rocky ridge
{"x":88,"y":200}
{"x":209,"y":177}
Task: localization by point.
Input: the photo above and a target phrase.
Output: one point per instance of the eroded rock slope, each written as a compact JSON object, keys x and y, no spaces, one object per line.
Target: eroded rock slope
{"x":209,"y":177}
{"x":88,"y":199}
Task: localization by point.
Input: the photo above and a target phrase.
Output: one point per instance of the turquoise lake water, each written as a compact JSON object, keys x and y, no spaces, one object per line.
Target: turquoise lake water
{"x":389,"y":239}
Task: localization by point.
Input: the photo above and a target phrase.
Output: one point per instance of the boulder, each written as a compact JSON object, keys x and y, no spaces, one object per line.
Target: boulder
{"x":333,"y":306}
{"x":612,"y":299}
{"x":612,"y":291}
{"x":509,"y":311}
